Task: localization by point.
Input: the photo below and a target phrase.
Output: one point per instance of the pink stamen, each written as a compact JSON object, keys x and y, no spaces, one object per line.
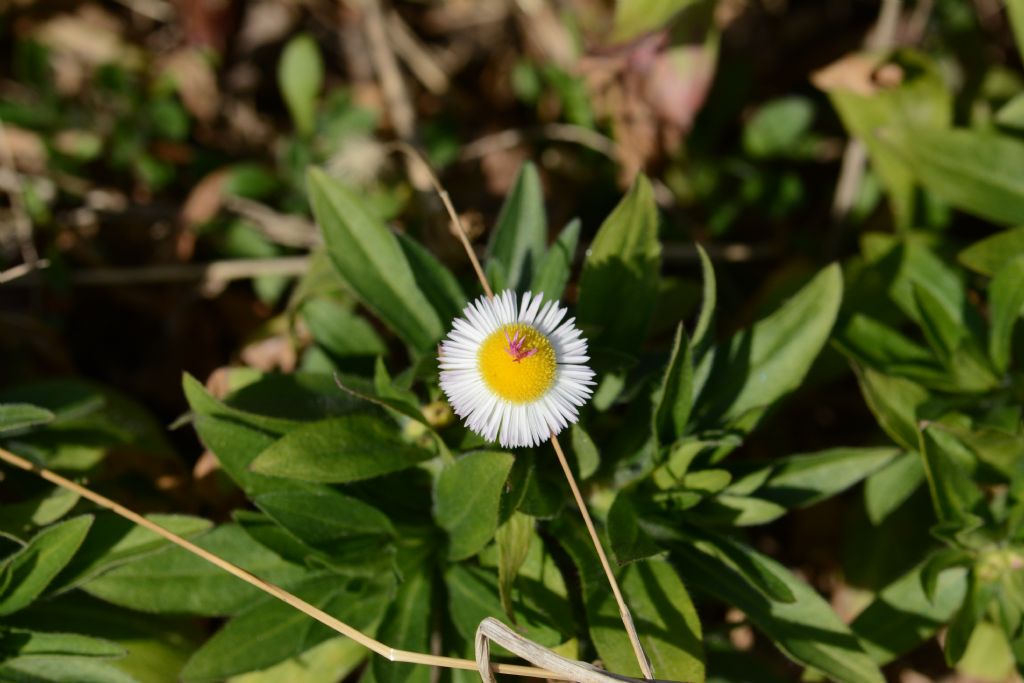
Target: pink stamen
{"x":515,"y":347}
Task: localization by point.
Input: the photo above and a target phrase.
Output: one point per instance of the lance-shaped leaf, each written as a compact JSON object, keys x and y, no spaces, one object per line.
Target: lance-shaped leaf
{"x":980,"y":172}
{"x":946,"y":466}
{"x":619,"y":283}
{"x":805,"y":629}
{"x":467,"y":499}
{"x":703,"y":332}
{"x":1006,"y":302}
{"x":517,"y":242}
{"x":902,"y":615}
{"x":407,"y":626}
{"x":175,"y":581}
{"x":18,"y":416}
{"x":340,"y":450}
{"x":990,"y":254}
{"x":271,"y":631}
{"x":26,"y":574}
{"x":555,"y":267}
{"x":370,"y":260}
{"x":674,"y":399}
{"x":805,"y":479}
{"x":760,"y":365}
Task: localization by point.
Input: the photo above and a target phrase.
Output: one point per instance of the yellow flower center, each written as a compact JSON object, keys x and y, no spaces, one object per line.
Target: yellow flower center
{"x":518,"y":363}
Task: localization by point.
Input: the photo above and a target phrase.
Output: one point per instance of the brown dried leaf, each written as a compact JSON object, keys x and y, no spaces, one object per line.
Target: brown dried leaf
{"x":26,"y":148}
{"x":204,"y":201}
{"x":854,"y":72}
{"x":196,"y":82}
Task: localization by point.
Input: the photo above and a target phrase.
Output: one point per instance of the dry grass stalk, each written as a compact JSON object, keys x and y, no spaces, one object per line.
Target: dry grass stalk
{"x":624,"y":613}
{"x":281,"y":594}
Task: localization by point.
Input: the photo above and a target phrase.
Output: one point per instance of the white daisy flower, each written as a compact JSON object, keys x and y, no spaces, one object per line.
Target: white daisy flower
{"x":515,"y":374}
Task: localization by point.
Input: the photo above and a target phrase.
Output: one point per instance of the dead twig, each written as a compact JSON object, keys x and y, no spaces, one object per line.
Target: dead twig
{"x":417,"y":57}
{"x":624,"y":613}
{"x":16,"y":194}
{"x":882,"y":37}
{"x":207,"y":274}
{"x":298,"y":603}
{"x":558,"y":132}
{"x":568,"y":669}
{"x":284,"y":229}
{"x":417,"y":161}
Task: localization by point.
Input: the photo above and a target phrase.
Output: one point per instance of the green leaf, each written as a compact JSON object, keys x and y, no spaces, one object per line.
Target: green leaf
{"x":324,"y":517}
{"x":634,"y":17}
{"x":19,"y":416}
{"x":779,"y":127}
{"x":467,"y":498}
{"x":175,"y":581}
{"x":369,"y":258}
{"x":922,"y":100}
{"x":619,"y":282}
{"x":513,"y":540}
{"x":703,"y":334}
{"x":894,"y":402}
{"x":113,"y":541}
{"x":988,"y":656}
{"x":808,"y":478}
{"x":870,"y":342}
{"x":518,"y":239}
{"x":760,"y":365}
{"x":473,"y":595}
{"x":628,"y":540}
{"x":235,"y":436}
{"x":674,"y":399}
{"x":708,"y":482}
{"x":90,"y":421}
{"x":739,"y":510}
{"x":967,"y":618}
{"x":954,"y":494}
{"x":987,"y":256}
{"x":435,"y":281}
{"x":300,"y":75}
{"x":665,"y":618}
{"x":339,"y":450}
{"x":333,"y":659}
{"x":996,"y":447}
{"x":980,"y":172}
{"x":889,"y":487}
{"x":18,"y":642}
{"x":588,"y":458}
{"x":1011,"y":114}
{"x":737,"y":558}
{"x":902,"y":616}
{"x":26,"y":574}
{"x":406,"y":626}
{"x":1015,"y":10}
{"x":556,"y":266}
{"x":340,"y":331}
{"x":805,"y":629}
{"x":61,"y":669}
{"x":271,"y":631}
{"x":941,"y":330}
{"x":19,"y":518}
{"x":1006,"y":303}
{"x":156,"y":648}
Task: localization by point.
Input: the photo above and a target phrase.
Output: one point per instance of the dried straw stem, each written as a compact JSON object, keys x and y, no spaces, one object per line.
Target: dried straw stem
{"x":267,"y":587}
{"x":457,"y":229}
{"x":624,"y":613}
{"x":627,"y":618}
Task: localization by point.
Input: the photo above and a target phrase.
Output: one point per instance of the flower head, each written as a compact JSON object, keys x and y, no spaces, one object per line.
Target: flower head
{"x":515,"y":374}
